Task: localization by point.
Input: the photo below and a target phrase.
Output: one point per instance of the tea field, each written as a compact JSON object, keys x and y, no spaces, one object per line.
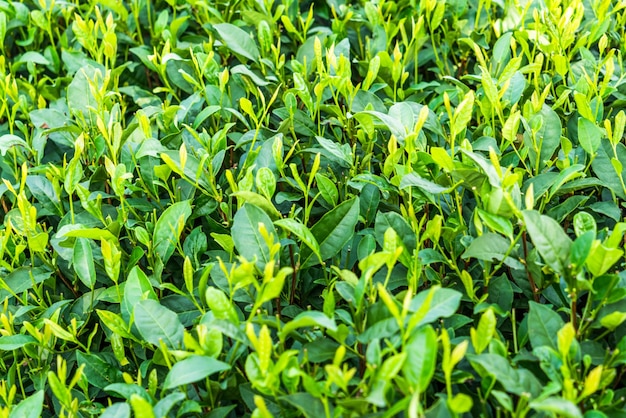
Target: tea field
{"x":281,"y":208}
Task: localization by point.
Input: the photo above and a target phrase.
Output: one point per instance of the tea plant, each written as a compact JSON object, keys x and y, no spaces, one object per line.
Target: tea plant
{"x":282,"y":208}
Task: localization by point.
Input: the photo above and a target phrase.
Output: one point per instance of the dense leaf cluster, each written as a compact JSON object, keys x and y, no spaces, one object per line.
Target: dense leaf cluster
{"x":278,"y":208}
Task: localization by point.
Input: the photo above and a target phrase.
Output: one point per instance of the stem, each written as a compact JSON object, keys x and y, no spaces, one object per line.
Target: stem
{"x":294,"y":276}
{"x":533,"y":286}
{"x":573,"y":310}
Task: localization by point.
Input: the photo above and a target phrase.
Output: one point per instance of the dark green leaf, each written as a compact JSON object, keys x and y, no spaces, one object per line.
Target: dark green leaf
{"x":333,"y":231}
{"x":156,"y":323}
{"x":169,"y":227}
{"x":549,"y":239}
{"x":544,"y":323}
{"x":238,"y":40}
{"x":97,"y":371}
{"x":421,"y":350}
{"x":193,"y":369}
{"x":247,"y":235}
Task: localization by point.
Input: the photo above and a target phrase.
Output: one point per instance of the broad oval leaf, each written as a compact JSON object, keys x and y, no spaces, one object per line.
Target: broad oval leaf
{"x":545,"y":325}
{"x":82,"y":261}
{"x":247,"y":236}
{"x":13,"y":342}
{"x":30,"y":407}
{"x":220,"y":305}
{"x":193,"y":369}
{"x":424,"y":185}
{"x":333,"y":231}
{"x":169,"y":227}
{"x":488,"y":247}
{"x":557,"y":406}
{"x":156,"y":323}
{"x":444,"y":303}
{"x":302,"y":232}
{"x":117,"y":410}
{"x":421,"y":351}
{"x":21,"y":279}
{"x":549,"y":238}
{"x":308,"y":319}
{"x":589,"y":135}
{"x":238,"y":40}
{"x":97,"y":371}
{"x":137,"y":287}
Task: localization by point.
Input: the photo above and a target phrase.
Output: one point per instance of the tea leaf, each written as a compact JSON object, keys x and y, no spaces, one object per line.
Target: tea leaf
{"x":156,"y":323}
{"x":169,"y":227}
{"x":589,"y":135}
{"x":302,"y":232}
{"x":546,"y":324}
{"x":30,"y":407}
{"x":193,"y":369}
{"x":333,"y":231}
{"x":421,"y":350}
{"x":238,"y":41}
{"x":83,"y":262}
{"x":247,"y":236}
{"x":549,"y":238}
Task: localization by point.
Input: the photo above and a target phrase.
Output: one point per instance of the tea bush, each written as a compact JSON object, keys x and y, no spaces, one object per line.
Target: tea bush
{"x":324,"y":209}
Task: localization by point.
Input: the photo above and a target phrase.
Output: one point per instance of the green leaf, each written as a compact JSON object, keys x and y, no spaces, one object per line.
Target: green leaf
{"x":601,"y":258}
{"x":137,"y":288}
{"x":308,"y":405}
{"x":444,"y":303}
{"x":395,"y":127}
{"x":302,"y":232}
{"x":308,"y":319}
{"x":193,"y":369}
{"x":333,"y":231}
{"x":482,"y":336}
{"x":141,"y":407}
{"x":169,"y":227}
{"x":8,"y":141}
{"x":238,"y":41}
{"x":126,"y":390}
{"x":549,"y":238}
{"x":339,"y":153}
{"x":499,"y":367}
{"x":604,"y":168}
{"x":421,"y":351}
{"x":414,"y":180}
{"x":463,"y":113}
{"x":403,"y":230}
{"x":547,"y":138}
{"x":246,"y":234}
{"x":558,"y":406}
{"x":544,"y":323}
{"x":117,"y":410}
{"x":13,"y":342}
{"x":165,"y":405}
{"x":82,"y":261}
{"x":115,"y":323}
{"x":21,"y":279}
{"x":327,"y":188}
{"x":589,"y":135}
{"x":221,"y":306}
{"x":91,"y":233}
{"x":31,"y":407}
{"x":259,"y":201}
{"x":581,"y":248}
{"x":97,"y":371}
{"x":369,"y":199}
{"x":156,"y":323}
{"x":80,"y":97}
{"x":488,"y":247}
